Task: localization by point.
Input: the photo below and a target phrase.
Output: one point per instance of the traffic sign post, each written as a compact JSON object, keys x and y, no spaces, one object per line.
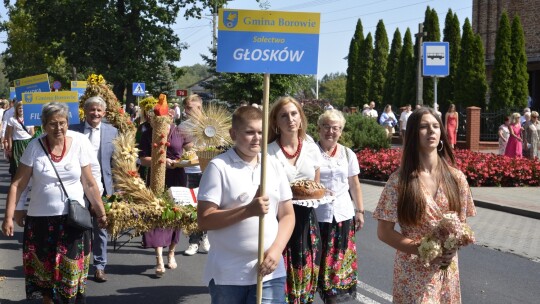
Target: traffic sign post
{"x":181,"y":93}
{"x":436,"y":62}
{"x":139,"y":89}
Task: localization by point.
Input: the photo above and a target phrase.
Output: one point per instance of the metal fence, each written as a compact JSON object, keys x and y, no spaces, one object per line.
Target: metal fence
{"x":489,"y":124}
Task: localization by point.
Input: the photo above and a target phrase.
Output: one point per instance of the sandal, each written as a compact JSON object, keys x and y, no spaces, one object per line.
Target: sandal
{"x":172,"y":261}
{"x":160,"y":268}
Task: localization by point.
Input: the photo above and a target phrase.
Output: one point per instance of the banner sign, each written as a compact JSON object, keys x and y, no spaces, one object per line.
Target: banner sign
{"x":273,"y":42}
{"x":33,"y":102}
{"x":79,"y":87}
{"x":436,"y":59}
{"x":12,"y":93}
{"x":37,"y":83}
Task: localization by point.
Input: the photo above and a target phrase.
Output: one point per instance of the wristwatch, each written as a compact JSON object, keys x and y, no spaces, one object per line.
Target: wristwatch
{"x":359,"y":211}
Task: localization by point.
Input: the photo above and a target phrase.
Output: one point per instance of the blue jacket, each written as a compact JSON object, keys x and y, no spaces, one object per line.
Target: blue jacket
{"x":106,"y":149}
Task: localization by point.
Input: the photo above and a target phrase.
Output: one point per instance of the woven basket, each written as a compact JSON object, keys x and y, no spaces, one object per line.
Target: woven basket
{"x":205,"y":157}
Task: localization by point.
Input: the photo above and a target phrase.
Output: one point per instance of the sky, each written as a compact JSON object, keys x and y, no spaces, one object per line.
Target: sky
{"x":338,"y":23}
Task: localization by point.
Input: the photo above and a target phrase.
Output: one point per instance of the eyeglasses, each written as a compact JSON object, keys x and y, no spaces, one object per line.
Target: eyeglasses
{"x":57,"y":124}
{"x":333,"y":128}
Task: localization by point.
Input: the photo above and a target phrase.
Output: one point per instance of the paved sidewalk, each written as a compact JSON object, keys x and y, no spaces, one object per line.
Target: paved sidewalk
{"x":524,"y":201}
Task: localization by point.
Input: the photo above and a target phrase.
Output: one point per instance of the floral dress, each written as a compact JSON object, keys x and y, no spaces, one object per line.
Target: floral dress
{"x":414,"y":282}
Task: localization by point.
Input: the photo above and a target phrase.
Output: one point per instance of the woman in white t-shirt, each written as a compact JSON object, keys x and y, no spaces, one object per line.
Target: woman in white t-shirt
{"x":18,"y":136}
{"x":340,"y":220}
{"x":300,"y":158}
{"x":56,"y":256}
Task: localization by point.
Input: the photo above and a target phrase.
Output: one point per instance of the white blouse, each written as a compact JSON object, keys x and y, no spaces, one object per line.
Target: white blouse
{"x":308,"y":161}
{"x":335,"y":173}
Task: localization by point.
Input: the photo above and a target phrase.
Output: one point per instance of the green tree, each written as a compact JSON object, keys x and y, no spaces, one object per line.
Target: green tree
{"x":520,"y":77}
{"x":470,"y":82}
{"x":452,"y":36}
{"x":405,"y":77}
{"x":192,"y":74}
{"x":501,"y":84}
{"x":431,"y":26}
{"x":363,"y":73}
{"x":4,"y":83}
{"x":380,"y":60}
{"x":352,"y":63}
{"x":392,"y":69}
{"x":125,"y":41}
{"x":332,"y":87}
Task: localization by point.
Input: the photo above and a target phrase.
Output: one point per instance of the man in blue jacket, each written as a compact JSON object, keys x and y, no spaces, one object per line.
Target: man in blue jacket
{"x":101,"y":135}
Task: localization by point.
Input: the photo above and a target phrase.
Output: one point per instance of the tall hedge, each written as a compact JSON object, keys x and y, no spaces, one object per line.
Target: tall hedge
{"x":391,"y":71}
{"x":452,"y":35}
{"x":406,"y":77}
{"x":520,"y":77}
{"x":380,"y":60}
{"x":363,"y":73}
{"x":501,"y":84}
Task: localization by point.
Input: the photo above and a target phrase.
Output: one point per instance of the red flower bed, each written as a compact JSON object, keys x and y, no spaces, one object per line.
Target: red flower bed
{"x":481,"y":169}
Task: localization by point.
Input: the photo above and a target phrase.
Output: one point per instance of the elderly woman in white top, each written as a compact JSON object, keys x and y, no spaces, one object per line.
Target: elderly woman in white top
{"x":300,"y":158}
{"x":55,"y":255}
{"x":340,"y":220}
{"x":388,"y":120}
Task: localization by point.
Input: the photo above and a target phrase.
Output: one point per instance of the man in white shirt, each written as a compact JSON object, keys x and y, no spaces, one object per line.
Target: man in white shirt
{"x":523,"y":118}
{"x":229,"y":206}
{"x":372,"y":112}
{"x":403,"y":121}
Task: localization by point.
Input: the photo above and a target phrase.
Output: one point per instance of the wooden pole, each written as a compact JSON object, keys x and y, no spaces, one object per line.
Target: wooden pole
{"x":264,"y":149}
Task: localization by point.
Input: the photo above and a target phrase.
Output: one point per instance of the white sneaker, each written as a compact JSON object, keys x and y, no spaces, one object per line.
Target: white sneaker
{"x":205,"y":245}
{"x":192,"y":249}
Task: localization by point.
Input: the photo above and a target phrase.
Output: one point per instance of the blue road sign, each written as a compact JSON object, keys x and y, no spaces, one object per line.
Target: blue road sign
{"x":436,"y":57}
{"x":139,"y":89}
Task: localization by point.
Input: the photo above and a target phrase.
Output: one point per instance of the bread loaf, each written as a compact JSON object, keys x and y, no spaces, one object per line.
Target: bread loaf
{"x":307,"y":189}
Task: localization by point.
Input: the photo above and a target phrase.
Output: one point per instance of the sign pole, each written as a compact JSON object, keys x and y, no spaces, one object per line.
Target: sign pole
{"x":435,"y":93}
{"x":264,"y":149}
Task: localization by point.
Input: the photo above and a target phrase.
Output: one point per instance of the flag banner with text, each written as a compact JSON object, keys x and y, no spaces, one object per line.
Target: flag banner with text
{"x":37,"y":83}
{"x":272,"y":42}
{"x":33,"y":103}
{"x":79,"y":87}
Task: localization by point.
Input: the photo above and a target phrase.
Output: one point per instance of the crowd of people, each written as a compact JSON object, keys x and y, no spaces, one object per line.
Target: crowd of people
{"x":519,"y":136}
{"x":308,"y":249}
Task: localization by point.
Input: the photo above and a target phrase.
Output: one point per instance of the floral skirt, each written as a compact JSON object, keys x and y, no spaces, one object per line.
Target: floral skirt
{"x":56,"y":258}
{"x":338,"y":275}
{"x":302,"y":257}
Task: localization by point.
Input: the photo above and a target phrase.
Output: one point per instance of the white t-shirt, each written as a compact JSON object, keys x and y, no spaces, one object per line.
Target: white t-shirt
{"x":335,"y":173}
{"x":230,"y":183}
{"x":403,"y":119}
{"x":47,"y":197}
{"x":372,"y":113}
{"x":308,"y":161}
{"x":7,"y":114}
{"x":18,"y":131}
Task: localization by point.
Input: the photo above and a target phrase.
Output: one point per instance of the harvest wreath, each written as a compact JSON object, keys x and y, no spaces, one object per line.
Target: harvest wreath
{"x":134,"y":205}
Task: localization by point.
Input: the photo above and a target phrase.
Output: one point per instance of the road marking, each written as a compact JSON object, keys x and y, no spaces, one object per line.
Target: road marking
{"x":375,"y":291}
{"x":365,"y":300}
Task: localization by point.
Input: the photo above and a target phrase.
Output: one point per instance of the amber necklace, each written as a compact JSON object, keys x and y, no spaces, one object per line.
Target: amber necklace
{"x":291,"y":156}
{"x":55,"y":158}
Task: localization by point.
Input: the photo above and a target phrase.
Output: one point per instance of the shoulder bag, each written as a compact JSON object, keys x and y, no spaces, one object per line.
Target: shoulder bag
{"x":78,"y":215}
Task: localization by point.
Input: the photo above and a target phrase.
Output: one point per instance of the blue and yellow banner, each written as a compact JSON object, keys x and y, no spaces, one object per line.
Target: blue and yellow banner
{"x":268,"y":42}
{"x":33,"y":103}
{"x":36,"y":83}
{"x":79,"y":87}
{"x":12,"y":93}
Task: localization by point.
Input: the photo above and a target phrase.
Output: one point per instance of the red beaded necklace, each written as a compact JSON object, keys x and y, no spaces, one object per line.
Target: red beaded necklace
{"x":291,"y":156}
{"x":55,"y":158}
{"x":333,"y":153}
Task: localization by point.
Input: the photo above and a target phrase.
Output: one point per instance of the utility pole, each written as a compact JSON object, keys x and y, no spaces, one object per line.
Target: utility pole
{"x":419,"y":80}
{"x":214,"y":30}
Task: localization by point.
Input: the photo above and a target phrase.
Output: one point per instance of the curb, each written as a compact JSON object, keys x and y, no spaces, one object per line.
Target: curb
{"x":478,"y":203}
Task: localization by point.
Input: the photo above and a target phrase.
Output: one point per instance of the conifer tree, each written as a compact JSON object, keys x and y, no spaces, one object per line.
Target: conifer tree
{"x":431,"y":26}
{"x":520,"y":77}
{"x":352,"y":60}
{"x":365,"y":62}
{"x":405,"y":76}
{"x":501,"y":84}
{"x":470,"y":82}
{"x":391,"y":71}
{"x":452,"y":35}
{"x":380,"y":60}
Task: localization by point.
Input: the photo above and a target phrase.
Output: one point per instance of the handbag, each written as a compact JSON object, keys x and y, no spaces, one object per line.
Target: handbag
{"x":78,"y":215}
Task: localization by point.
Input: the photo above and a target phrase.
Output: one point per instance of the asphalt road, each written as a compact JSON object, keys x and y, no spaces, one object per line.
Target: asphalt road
{"x":488,"y":275}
